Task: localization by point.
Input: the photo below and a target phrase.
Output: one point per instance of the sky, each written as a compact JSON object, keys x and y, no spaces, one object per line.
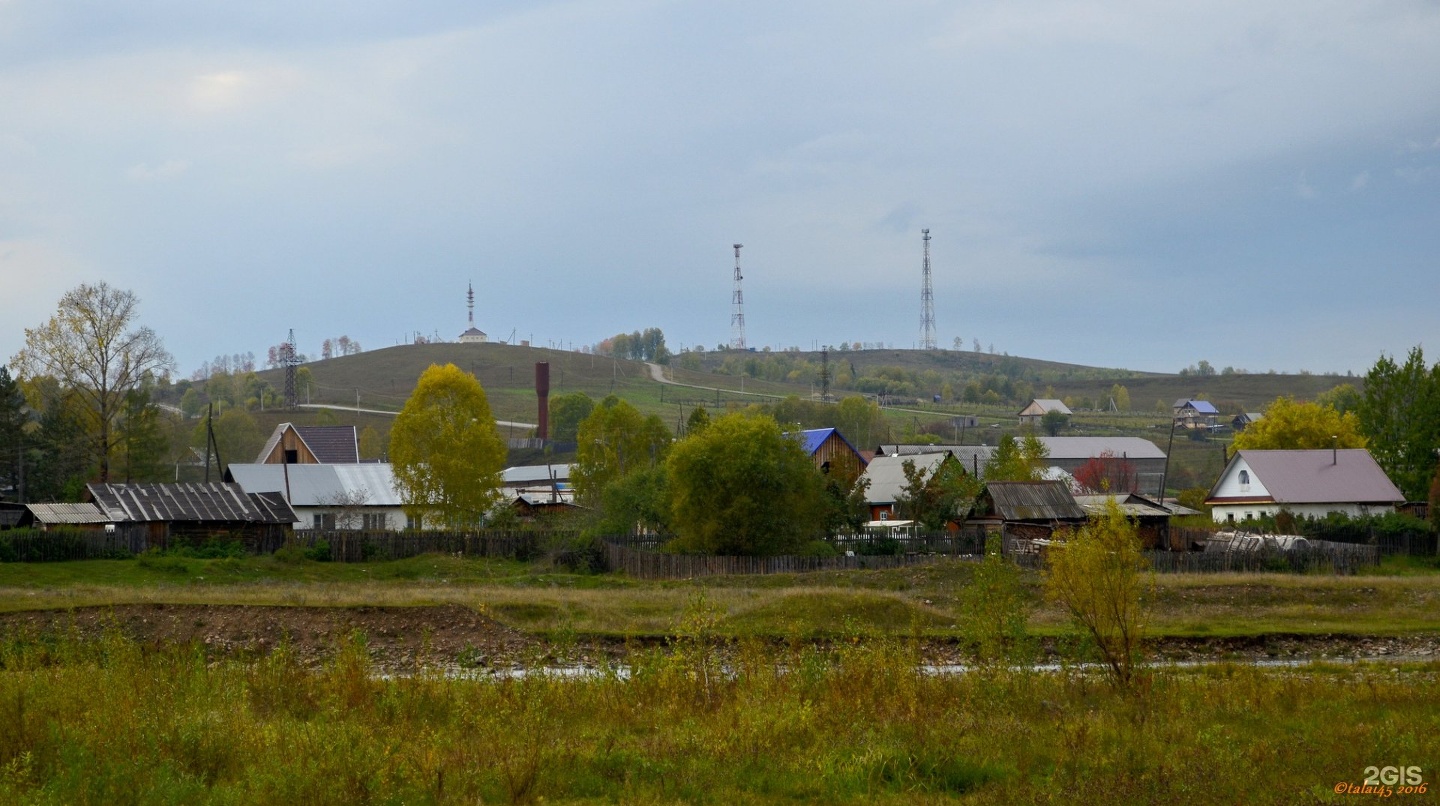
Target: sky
{"x":1112,"y":183}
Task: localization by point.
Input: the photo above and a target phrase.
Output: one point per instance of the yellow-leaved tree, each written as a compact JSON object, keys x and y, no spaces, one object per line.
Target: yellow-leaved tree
{"x":1289,"y":424}
{"x":446,"y":451}
{"x":1098,"y":573}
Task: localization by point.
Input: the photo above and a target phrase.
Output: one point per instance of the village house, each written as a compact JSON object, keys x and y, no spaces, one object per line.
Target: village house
{"x":291,"y":444}
{"x":1023,"y":512}
{"x":886,"y":476}
{"x":1036,"y":410}
{"x":1306,"y":483}
{"x":832,"y":452}
{"x":1194,"y":414}
{"x":354,"y":495}
{"x":1143,"y":457}
{"x":196,"y":511}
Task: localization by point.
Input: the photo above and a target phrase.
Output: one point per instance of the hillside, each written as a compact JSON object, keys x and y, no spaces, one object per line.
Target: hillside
{"x":381,"y":380}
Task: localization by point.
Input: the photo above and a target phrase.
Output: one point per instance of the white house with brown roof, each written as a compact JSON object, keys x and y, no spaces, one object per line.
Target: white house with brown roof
{"x":1310,"y":483}
{"x":1036,"y":410}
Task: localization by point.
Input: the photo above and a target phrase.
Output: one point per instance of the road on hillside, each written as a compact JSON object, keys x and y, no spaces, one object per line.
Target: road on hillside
{"x":332,"y":407}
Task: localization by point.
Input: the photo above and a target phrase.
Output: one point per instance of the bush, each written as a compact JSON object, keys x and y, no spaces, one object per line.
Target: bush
{"x":817,"y":548}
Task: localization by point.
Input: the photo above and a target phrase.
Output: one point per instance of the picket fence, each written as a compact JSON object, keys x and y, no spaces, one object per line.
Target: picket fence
{"x":351,"y":546}
{"x":654,"y":565}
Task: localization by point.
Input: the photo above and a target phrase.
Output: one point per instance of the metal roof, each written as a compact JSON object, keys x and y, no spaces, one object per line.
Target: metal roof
{"x":1200,"y":406}
{"x":1346,"y":476}
{"x":323,"y":485}
{"x":1091,"y":447}
{"x":67,"y":513}
{"x":1132,"y":505}
{"x":1045,"y":405}
{"x":1034,"y":501}
{"x":193,"y":501}
{"x":887,"y":475}
{"x":525,"y":475}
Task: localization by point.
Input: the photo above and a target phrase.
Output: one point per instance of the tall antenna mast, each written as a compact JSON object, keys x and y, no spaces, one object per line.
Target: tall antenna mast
{"x":927,"y":300}
{"x":737,"y":318}
{"x":470,"y":302}
{"x":290,"y":358}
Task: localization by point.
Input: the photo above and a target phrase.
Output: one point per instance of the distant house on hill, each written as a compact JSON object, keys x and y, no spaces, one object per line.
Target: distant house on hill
{"x":1033,"y":413}
{"x":292,"y":444}
{"x":1245,"y":419}
{"x":1194,"y":414}
{"x":1309,"y":483}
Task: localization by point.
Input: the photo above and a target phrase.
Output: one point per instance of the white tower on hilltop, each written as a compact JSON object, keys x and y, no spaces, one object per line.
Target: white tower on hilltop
{"x":927,"y":299}
{"x":473,"y":335}
{"x":737,"y":319}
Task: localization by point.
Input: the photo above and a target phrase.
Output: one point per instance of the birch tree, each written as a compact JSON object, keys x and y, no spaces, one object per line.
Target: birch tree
{"x":95,"y":350}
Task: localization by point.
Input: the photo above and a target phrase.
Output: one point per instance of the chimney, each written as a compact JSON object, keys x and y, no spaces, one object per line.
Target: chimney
{"x":542,"y":391}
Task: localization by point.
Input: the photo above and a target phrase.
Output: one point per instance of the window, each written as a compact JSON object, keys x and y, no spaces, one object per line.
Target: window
{"x":413,"y":522}
{"x":374,"y":521}
{"x":325,"y":520}
{"x":1244,"y":481}
{"x":884,"y":516}
{"x":292,"y":457}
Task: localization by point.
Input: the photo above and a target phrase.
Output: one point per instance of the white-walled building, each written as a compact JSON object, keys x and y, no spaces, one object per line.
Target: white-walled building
{"x":336,"y":496}
{"x":1311,"y":483}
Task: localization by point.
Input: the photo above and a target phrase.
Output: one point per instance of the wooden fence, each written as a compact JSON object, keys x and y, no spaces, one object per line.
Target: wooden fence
{"x":654,"y":565}
{"x":1320,"y":557}
{"x":33,"y":545}
{"x":348,"y":545}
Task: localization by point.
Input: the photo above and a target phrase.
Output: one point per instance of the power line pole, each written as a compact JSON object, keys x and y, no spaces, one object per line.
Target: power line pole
{"x":290,"y":359}
{"x":737,"y":318}
{"x":927,"y":300}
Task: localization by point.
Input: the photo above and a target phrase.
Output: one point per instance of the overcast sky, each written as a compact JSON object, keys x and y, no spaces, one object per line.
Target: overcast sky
{"x":1129,"y":184}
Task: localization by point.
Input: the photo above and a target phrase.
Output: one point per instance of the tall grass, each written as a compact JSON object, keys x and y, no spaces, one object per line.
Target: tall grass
{"x":850,"y":722}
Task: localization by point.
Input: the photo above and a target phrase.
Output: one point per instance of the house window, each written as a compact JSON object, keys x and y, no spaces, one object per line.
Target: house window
{"x":374,"y":521}
{"x":413,"y":522}
{"x":325,"y":521}
{"x":884,"y":516}
{"x":1244,"y":481}
{"x":292,"y":457}
{"x":1249,"y":516}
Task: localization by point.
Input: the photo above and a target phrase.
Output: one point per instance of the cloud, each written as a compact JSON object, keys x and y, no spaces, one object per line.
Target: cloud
{"x":1304,"y":189}
{"x":1360,"y":181}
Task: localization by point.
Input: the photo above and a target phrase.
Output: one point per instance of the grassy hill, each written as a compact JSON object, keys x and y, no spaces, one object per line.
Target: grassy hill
{"x":383,"y":379}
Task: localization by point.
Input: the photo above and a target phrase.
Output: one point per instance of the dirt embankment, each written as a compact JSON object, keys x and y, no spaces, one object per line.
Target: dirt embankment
{"x":400,"y":639}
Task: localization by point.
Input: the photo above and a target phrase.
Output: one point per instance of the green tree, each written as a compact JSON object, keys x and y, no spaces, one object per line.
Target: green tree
{"x":238,"y":437}
{"x":697,"y":421}
{"x":1296,"y":425}
{"x":93,"y":348}
{"x":145,"y":435}
{"x":446,"y":451}
{"x":994,"y":610}
{"x":567,"y":411}
{"x":1343,"y":398}
{"x":1098,"y":574}
{"x":1053,"y":422}
{"x":14,"y":417}
{"x":862,"y":422}
{"x":614,"y":440}
{"x":934,"y":501}
{"x":1017,"y":460}
{"x":637,"y":502}
{"x":742,"y":487}
{"x":1399,"y":412}
{"x":373,"y":443}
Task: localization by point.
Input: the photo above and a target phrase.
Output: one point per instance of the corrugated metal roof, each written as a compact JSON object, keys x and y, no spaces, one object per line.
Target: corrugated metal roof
{"x":887,"y":475}
{"x":68,"y":513}
{"x":530,"y":474}
{"x":971,"y":457}
{"x":194,"y":501}
{"x":811,"y":439}
{"x":1091,"y":447}
{"x":1348,"y":476}
{"x":322,"y":485}
{"x":1034,"y":501}
{"x":1200,"y":406}
{"x":1132,"y":505}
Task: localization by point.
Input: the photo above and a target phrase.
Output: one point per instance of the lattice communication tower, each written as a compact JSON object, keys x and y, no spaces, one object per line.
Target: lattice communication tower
{"x":290,"y":359}
{"x":927,"y":300}
{"x":737,"y":318}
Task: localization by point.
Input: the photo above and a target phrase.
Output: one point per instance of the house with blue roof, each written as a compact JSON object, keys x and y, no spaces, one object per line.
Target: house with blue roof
{"x":1194,"y":413}
{"x":832,"y":452}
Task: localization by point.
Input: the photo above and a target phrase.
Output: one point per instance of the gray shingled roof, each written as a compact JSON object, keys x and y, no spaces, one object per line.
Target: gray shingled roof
{"x":1034,"y":501}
